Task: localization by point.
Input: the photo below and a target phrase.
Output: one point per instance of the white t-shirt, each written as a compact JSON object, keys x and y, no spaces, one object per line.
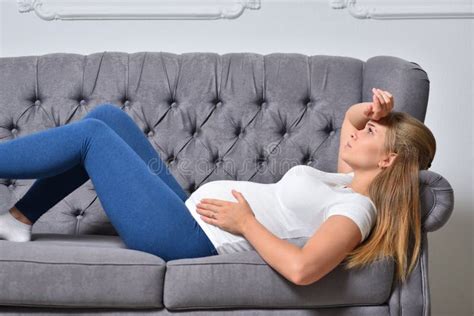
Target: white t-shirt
{"x":292,"y":208}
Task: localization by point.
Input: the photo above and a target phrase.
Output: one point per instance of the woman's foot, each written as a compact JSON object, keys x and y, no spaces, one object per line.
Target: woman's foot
{"x":13,"y":227}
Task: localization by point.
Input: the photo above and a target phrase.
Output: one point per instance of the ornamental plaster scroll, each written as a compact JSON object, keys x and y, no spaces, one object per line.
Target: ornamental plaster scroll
{"x":136,"y":10}
{"x":413,"y":10}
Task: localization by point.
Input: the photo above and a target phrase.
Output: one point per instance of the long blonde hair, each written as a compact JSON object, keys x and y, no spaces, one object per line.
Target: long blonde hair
{"x":395,"y":193}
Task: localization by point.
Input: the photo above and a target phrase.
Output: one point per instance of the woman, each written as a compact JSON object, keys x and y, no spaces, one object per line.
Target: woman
{"x":151,"y":212}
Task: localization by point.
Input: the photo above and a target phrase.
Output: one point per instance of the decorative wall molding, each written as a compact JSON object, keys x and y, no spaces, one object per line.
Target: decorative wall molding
{"x":137,"y":10}
{"x":447,"y":10}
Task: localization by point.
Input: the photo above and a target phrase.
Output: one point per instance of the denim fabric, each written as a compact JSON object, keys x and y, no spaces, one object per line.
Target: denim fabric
{"x":140,"y":196}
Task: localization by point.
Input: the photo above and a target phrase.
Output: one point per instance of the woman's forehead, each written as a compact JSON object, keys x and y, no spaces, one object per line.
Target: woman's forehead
{"x":376,"y":124}
{"x":373,"y":122}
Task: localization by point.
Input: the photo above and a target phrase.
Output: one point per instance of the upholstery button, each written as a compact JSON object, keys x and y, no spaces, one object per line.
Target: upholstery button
{"x":241,"y":135}
{"x":332,"y":133}
{"x":195,"y":134}
{"x":126,"y":103}
{"x":11,"y":186}
{"x":79,"y":216}
{"x":37,"y":103}
{"x":14,"y":130}
{"x":173,"y":104}
{"x":83,"y":102}
{"x":151,"y":133}
{"x":286,"y":135}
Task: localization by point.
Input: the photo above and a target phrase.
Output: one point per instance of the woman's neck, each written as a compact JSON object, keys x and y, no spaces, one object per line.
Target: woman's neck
{"x":362,"y":179}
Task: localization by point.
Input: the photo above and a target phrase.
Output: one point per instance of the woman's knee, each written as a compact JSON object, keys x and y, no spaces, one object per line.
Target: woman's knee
{"x":94,"y":126}
{"x":94,"y":123}
{"x":105,"y":111}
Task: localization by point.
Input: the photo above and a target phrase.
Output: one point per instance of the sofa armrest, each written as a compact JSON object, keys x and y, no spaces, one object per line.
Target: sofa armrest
{"x":437,"y":200}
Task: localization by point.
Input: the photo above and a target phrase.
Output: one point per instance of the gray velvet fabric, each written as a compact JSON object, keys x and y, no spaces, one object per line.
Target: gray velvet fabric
{"x":244,"y":280}
{"x":81,"y":270}
{"x":236,"y":116}
{"x":381,"y":310}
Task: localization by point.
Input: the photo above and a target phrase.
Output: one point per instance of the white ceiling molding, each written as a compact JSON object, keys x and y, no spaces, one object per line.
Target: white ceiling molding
{"x":446,"y":10}
{"x":136,"y":10}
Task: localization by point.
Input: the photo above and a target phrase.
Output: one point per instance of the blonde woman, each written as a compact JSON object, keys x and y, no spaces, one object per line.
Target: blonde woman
{"x":368,"y":209}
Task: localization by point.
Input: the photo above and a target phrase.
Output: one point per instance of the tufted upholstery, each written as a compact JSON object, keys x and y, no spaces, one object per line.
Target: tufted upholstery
{"x":237,"y":116}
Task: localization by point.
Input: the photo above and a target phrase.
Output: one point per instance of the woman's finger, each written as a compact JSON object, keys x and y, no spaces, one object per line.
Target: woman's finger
{"x":391,"y":99}
{"x":383,"y":104}
{"x":379,"y":96}
{"x":377,"y":102}
{"x":206,"y":213}
{"x":209,"y":220}
{"x":207,"y":206}
{"x":212,"y":202}
{"x":376,"y":107}
{"x":384,"y":96}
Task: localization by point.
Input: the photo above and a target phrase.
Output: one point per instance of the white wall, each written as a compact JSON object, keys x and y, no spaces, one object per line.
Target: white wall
{"x":442,"y":47}
{"x":472,"y":160}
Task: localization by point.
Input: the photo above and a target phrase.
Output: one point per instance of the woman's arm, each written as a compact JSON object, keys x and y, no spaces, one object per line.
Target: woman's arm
{"x":356,"y":115}
{"x":280,"y":254}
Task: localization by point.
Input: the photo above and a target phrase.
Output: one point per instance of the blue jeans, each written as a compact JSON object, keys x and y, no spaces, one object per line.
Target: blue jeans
{"x":140,"y":196}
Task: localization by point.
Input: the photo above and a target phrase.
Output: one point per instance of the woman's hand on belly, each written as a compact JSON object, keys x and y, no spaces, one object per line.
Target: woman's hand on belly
{"x":229,"y":216}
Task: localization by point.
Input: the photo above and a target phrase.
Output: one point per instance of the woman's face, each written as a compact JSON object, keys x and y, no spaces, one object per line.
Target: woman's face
{"x":364,"y":150}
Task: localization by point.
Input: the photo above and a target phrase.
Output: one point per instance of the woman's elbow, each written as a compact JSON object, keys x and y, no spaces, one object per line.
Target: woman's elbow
{"x":303,"y":277}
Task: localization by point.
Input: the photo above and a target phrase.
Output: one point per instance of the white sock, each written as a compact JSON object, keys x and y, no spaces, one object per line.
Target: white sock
{"x":12,"y":229}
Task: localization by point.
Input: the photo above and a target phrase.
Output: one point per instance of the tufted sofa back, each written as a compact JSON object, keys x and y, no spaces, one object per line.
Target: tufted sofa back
{"x":236,"y":116}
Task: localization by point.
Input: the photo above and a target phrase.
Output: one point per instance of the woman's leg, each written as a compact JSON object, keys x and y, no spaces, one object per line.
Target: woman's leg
{"x":147,"y":214}
{"x":47,"y":192}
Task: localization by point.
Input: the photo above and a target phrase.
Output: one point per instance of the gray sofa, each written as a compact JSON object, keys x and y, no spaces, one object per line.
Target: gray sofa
{"x":239,"y":116}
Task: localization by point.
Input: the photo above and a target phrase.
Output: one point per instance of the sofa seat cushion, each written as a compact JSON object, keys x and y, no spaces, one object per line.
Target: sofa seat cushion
{"x":79,"y":271}
{"x":245,"y":280}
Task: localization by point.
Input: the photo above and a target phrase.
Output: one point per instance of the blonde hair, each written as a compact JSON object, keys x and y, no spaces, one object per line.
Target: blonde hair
{"x":395,"y":193}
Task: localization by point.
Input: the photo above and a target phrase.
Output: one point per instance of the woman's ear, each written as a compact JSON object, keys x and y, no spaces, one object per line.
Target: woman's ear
{"x":388,"y":160}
